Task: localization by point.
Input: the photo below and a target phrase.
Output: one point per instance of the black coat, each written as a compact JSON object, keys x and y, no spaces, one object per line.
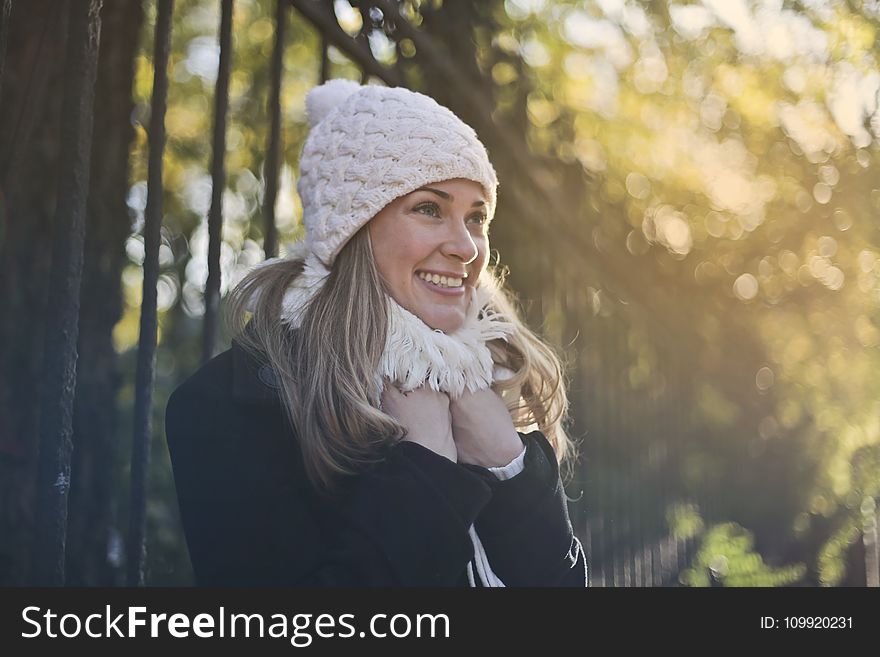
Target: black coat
{"x":251,"y":517}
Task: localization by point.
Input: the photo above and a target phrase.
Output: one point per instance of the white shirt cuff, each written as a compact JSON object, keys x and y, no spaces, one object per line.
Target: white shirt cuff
{"x":513,"y":468}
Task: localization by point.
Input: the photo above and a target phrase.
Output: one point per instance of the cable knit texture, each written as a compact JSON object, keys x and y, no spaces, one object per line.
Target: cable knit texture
{"x":369,"y":145}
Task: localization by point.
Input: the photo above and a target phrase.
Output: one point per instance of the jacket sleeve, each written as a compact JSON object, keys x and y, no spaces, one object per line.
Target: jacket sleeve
{"x":416,"y":507}
{"x":249,"y":522}
{"x":525,"y":527}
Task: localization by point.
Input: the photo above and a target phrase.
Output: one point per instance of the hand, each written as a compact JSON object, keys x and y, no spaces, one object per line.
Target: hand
{"x":483,"y":431}
{"x":425,"y":415}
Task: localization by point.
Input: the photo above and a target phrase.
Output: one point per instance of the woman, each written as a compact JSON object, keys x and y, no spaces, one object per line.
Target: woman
{"x":362,"y":429}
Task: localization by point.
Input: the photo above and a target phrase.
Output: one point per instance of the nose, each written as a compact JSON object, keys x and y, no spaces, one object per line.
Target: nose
{"x":460,"y":243}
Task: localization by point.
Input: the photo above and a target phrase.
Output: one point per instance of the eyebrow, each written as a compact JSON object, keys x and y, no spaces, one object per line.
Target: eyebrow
{"x":448,"y":197}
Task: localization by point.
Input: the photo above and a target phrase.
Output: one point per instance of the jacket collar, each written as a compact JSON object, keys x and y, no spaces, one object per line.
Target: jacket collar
{"x":253,"y":379}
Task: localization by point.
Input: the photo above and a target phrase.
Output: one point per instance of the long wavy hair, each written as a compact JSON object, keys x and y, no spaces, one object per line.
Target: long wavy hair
{"x":326,"y":367}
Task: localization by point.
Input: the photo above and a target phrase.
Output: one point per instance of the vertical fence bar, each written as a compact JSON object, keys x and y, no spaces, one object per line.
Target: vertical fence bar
{"x":325,"y":59}
{"x":146,"y":358}
{"x":672,"y":457}
{"x":637,"y":422}
{"x":587,"y":431}
{"x":5,"y":13}
{"x":363,"y":36}
{"x":609,"y":518}
{"x":576,"y":333}
{"x":582,"y":422}
{"x":62,"y":319}
{"x":682,"y":546}
{"x":273,"y":150}
{"x":655,"y":459}
{"x":632,"y":454}
{"x":218,"y":182}
{"x":665,"y":409}
{"x":601,"y":451}
{"x":869,"y":540}
{"x":622,"y":557}
{"x":614,"y":437}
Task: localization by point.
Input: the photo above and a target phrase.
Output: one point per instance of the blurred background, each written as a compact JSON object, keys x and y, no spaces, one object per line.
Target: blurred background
{"x":688,"y":208}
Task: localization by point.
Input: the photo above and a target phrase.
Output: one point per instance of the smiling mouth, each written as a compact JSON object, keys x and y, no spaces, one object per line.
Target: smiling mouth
{"x":439,"y":288}
{"x":439,"y":280}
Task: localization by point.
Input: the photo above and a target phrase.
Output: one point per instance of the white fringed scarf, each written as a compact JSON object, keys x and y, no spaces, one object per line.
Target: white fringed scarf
{"x":416,"y":355}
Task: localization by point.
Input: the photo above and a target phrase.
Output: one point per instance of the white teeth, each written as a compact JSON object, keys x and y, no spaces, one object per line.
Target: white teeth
{"x":442,"y":281}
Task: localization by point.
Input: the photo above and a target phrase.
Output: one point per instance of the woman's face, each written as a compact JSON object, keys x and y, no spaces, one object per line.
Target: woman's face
{"x":439,"y":230}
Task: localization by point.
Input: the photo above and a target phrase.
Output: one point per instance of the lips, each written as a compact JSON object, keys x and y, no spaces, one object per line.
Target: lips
{"x":447,"y":274}
{"x":443,"y":291}
{"x":443,"y":278}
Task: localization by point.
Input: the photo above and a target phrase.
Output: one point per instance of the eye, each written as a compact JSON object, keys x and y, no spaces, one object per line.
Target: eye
{"x":431,"y":209}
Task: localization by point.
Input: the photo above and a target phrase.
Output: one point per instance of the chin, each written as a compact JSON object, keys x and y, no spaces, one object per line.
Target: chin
{"x":447,"y":324}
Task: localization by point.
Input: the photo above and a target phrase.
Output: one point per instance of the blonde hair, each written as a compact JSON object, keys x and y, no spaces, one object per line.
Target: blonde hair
{"x":326,"y":367}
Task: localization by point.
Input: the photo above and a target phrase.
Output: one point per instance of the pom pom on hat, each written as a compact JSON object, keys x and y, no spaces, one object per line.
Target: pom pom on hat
{"x":321,"y":100}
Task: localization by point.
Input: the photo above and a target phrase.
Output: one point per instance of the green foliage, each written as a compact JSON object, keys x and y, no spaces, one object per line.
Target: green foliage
{"x":684,"y":521}
{"x":726,"y":556}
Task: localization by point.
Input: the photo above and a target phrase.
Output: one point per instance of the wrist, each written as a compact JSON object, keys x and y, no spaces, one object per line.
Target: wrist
{"x":492,"y":454}
{"x":512,"y":469}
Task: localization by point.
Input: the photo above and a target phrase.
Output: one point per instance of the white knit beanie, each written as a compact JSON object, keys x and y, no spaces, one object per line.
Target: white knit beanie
{"x":369,"y":145}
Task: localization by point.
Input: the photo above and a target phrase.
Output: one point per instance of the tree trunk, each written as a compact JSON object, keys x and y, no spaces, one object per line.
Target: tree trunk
{"x":93,"y":552}
{"x":30,"y":115}
{"x":29,"y":147}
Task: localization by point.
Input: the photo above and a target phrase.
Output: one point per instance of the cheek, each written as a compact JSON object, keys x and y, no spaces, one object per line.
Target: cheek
{"x":398,"y":260}
{"x":411,"y":248}
{"x":483,"y":248}
{"x":390,"y":247}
